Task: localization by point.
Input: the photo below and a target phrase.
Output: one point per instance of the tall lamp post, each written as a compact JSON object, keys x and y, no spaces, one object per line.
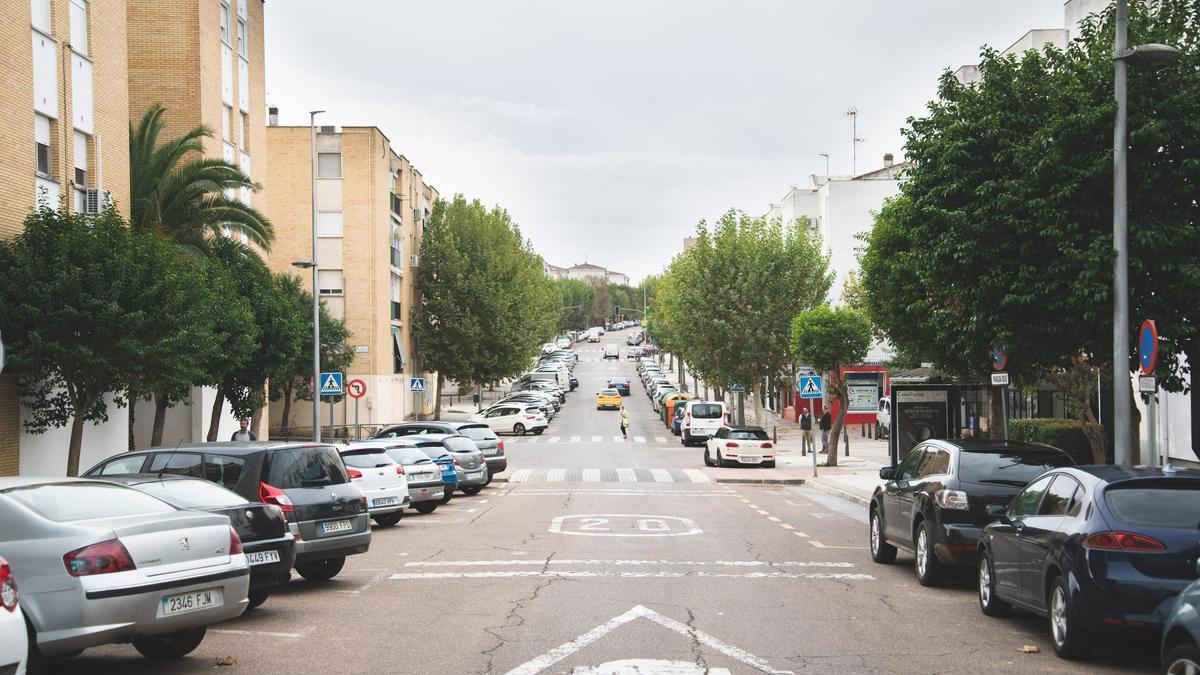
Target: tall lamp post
{"x":316,"y":291}
{"x":1149,"y":55}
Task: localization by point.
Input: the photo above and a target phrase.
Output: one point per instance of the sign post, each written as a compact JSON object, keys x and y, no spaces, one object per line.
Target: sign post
{"x":1000,"y":379}
{"x":331,"y":386}
{"x":355,"y":389}
{"x":416,"y":385}
{"x":1148,"y":384}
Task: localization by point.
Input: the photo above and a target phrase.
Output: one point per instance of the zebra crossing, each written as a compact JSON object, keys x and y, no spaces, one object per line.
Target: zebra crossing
{"x":609,"y":475}
{"x":588,"y":440}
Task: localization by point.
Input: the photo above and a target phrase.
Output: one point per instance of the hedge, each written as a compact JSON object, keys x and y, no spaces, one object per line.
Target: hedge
{"x":1066,"y":435}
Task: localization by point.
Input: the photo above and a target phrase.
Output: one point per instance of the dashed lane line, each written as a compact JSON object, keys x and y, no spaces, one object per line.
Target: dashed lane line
{"x":639,"y":439}
{"x":597,"y":439}
{"x":660,"y":439}
{"x":575,"y":439}
{"x":854,"y":548}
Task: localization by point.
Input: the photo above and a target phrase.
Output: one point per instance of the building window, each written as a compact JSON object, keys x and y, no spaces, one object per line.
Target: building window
{"x":41,"y":15}
{"x":243,"y":50}
{"x":226,"y":112}
{"x":79,"y":26}
{"x":41,"y":132}
{"x":397,"y":314}
{"x":79,"y":150}
{"x":225,"y":22}
{"x":329,"y":165}
{"x":330,"y":282}
{"x":397,"y":353}
{"x":329,"y":223}
{"x":243,"y":124}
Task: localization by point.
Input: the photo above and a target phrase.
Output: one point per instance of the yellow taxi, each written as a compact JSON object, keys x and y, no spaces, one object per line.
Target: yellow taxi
{"x":608,"y":398}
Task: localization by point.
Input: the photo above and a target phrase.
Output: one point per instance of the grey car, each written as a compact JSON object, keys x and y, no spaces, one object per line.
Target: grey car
{"x":468,"y":460}
{"x":100,"y":563}
{"x":488,"y":443}
{"x":425,"y":487}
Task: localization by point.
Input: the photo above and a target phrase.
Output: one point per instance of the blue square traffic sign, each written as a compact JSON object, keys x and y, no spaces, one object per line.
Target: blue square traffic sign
{"x":810,"y":386}
{"x":331,"y":384}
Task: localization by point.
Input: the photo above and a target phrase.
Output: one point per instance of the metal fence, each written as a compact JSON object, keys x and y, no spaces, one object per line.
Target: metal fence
{"x":334,"y":433}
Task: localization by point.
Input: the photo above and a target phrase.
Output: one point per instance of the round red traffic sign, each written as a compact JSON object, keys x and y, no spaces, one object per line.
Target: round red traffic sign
{"x":999,"y":358}
{"x":1148,"y":346}
{"x":356,"y":388}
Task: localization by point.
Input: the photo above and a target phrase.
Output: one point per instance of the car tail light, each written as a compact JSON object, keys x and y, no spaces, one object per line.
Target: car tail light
{"x":8,"y":587}
{"x":355,"y":474}
{"x":1123,"y":541}
{"x":103,"y":558}
{"x":500,"y":445}
{"x":767,"y":445}
{"x":951,"y":499}
{"x":456,"y":462}
{"x":731,"y":444}
{"x":273,"y":495}
{"x":531,"y":417}
{"x":235,"y":542}
{"x":400,"y":469}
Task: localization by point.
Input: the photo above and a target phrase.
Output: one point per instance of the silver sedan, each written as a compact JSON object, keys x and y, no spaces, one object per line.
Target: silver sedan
{"x":99,"y":563}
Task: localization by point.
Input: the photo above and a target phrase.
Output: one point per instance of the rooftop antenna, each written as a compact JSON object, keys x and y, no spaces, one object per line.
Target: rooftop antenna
{"x":826,"y":156}
{"x":852,"y":113}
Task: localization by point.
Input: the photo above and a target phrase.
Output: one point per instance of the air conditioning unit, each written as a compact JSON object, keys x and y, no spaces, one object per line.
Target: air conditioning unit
{"x":95,"y":201}
{"x":329,"y":130}
{"x":415,"y":261}
{"x":419,"y":215}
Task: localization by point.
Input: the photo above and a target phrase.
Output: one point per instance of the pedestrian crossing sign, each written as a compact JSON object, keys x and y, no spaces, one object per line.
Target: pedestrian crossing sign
{"x":810,"y":386}
{"x":331,"y":384}
{"x":416,"y":384}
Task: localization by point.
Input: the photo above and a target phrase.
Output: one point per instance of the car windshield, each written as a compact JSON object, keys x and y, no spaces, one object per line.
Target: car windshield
{"x":366,"y":459}
{"x":192,"y":494}
{"x":707,"y":411}
{"x":748,"y":435}
{"x":1000,"y":465}
{"x":610,"y":392}
{"x":66,"y":502}
{"x":459,"y":444}
{"x":618,"y":380}
{"x":306,"y":467}
{"x":478,"y":433}
{"x":408,"y":456}
{"x":1175,"y":505}
{"x":434,"y":451}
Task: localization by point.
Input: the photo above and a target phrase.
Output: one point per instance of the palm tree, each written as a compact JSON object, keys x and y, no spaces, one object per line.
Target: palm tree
{"x":188,"y":202}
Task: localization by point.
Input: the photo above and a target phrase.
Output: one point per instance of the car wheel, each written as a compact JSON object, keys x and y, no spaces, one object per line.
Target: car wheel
{"x":519,"y":429}
{"x":387,"y":520}
{"x":171,"y":645}
{"x":707,"y":460}
{"x":769,"y":465}
{"x":489,"y":479}
{"x":989,"y":603}
{"x":257,"y":596}
{"x":1182,"y":659}
{"x":472,"y":489}
{"x":426,"y":507}
{"x":881,"y":551}
{"x":447,"y":495}
{"x":35,"y":663}
{"x":538,"y":432}
{"x":321,"y":570}
{"x":686,"y":439}
{"x":1066,"y":634}
{"x":930,"y":570}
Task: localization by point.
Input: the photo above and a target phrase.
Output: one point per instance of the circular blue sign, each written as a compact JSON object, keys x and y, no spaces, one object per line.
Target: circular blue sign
{"x":1148,"y":346}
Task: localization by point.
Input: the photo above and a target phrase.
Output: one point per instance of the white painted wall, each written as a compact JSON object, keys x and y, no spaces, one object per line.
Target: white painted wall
{"x":1174,"y":425}
{"x":46,"y":454}
{"x":184,"y":423}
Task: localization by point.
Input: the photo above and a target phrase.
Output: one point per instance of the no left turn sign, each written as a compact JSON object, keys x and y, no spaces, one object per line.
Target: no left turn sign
{"x":356,"y":388}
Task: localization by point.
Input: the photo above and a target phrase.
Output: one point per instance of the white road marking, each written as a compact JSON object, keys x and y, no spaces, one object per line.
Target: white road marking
{"x":597,"y":525}
{"x":753,"y":506}
{"x":575,"y":439}
{"x":556,"y":475}
{"x":591,"y":475}
{"x":773,"y":519}
{"x":626,"y":475}
{"x":697,"y":476}
{"x":820,"y":545}
{"x":631,"y":563}
{"x":597,"y":439}
{"x":801,"y":535}
{"x":786,"y":526}
{"x":660,"y":439}
{"x":618,"y":439}
{"x":552,"y":439}
{"x":423,"y":521}
{"x":615,"y":493}
{"x":520,"y":475}
{"x":763,"y":513}
{"x":573,"y":574}
{"x":639,"y":439}
{"x":256,"y":633}
{"x":537,"y":665}
{"x":531,"y":440}
{"x":662,"y":476}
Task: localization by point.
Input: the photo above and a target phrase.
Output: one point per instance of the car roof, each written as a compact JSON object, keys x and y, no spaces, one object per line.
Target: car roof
{"x":988,"y":446}
{"x":1119,"y":474}
{"x":227,"y":448}
{"x":745,"y":427}
{"x":10,"y":482}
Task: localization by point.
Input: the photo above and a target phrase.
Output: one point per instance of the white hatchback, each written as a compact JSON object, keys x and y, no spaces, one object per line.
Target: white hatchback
{"x":14,"y":644}
{"x":380,"y":478}
{"x":740,"y":445}
{"x":515,"y":417}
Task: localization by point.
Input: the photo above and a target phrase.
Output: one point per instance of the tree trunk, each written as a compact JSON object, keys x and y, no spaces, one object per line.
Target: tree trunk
{"x":132,"y":399}
{"x":670,"y":362}
{"x":758,"y":407}
{"x":835,"y":431}
{"x":479,"y":404}
{"x":695,"y":384}
{"x":287,"y":407}
{"x":76,"y":440}
{"x":214,"y":423}
{"x":160,"y":418}
{"x":741,"y":408}
{"x":996,"y":416}
{"x":255,"y":421}
{"x":706,"y":398}
{"x":437,"y":402}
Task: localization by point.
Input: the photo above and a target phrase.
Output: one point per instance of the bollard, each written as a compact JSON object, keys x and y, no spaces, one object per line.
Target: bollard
{"x":775,"y":434}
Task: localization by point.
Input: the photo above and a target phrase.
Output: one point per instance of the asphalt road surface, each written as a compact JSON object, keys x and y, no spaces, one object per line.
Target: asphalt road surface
{"x":618,"y":556}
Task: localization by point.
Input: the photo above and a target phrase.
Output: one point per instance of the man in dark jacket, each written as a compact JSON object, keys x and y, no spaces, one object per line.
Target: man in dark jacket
{"x":825,"y":424}
{"x":806,"y":434}
{"x":243,"y":434}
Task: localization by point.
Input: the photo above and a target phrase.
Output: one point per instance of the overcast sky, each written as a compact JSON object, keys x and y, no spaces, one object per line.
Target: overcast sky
{"x":609,"y":128}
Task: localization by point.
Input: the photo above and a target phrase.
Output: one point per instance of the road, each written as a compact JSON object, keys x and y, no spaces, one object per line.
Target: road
{"x":613,"y":551}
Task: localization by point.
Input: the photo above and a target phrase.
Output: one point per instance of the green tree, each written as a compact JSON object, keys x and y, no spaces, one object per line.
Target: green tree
{"x":1002,"y":234}
{"x":828,"y":339}
{"x":577,"y":295}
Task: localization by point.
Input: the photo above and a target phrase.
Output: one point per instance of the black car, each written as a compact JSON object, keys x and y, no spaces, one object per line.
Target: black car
{"x":266,"y":541}
{"x":935,"y":502}
{"x":1098,"y":550}
{"x":326,"y":513}
{"x":621,"y":384}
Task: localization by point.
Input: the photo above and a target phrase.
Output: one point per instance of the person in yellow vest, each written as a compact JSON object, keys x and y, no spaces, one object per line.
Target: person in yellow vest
{"x":624,"y":422}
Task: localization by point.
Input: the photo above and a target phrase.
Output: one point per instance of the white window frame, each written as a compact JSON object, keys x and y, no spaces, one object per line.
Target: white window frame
{"x":243,"y":48}
{"x":225,"y":24}
{"x":321,"y":167}
{"x":331,"y":282}
{"x":39,"y":11}
{"x":42,"y":135}
{"x":79,"y":26}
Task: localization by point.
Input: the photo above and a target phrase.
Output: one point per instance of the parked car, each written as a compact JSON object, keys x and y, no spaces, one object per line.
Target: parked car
{"x":883,"y":418}
{"x":269,"y":547}
{"x":612,"y":352}
{"x":621,"y":384}
{"x":633,"y":353}
{"x":101,"y":563}
{"x":381,"y":479}
{"x":425,"y":487}
{"x":739,"y":445}
{"x":935,"y":503}
{"x":701,"y":419}
{"x":1181,"y":635}
{"x":443,"y":459}
{"x":488,"y":443}
{"x":608,"y":399}
{"x":326,"y":513}
{"x":594,"y":337}
{"x":469,"y":467}
{"x":660,"y":396}
{"x":14,"y":642}
{"x":512,"y":417}
{"x":1099,"y":550}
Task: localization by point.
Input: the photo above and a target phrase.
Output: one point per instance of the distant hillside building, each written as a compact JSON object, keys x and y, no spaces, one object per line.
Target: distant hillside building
{"x":617,"y":278}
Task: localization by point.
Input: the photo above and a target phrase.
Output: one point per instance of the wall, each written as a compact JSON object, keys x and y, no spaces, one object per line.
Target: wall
{"x":46,"y":454}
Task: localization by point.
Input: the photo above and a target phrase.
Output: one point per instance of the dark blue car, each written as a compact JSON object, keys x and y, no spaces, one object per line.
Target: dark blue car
{"x":621,"y":384}
{"x":1181,"y":637}
{"x":1098,"y":550}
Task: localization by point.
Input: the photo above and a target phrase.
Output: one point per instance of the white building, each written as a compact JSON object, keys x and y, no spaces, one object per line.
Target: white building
{"x":617,"y":278}
{"x":587,"y":272}
{"x":1074,"y":12}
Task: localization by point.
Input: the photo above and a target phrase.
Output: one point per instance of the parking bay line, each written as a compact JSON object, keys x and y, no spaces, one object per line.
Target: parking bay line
{"x":570,"y":574}
{"x":820,"y":545}
{"x":256,"y":633}
{"x":632,"y":563}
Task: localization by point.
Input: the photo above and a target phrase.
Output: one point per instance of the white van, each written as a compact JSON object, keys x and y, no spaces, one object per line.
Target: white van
{"x":701,"y":419}
{"x":562,"y":376}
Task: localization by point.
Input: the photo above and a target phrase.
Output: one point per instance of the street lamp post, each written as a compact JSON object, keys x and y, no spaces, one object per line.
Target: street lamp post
{"x":316,"y":291}
{"x":1148,"y":54}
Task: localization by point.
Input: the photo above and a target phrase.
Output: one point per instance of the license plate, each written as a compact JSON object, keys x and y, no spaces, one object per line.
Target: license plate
{"x":474,"y":475}
{"x":385,"y":501}
{"x":336,"y":526}
{"x":749,"y":459}
{"x":182,"y":603}
{"x":262,"y":557}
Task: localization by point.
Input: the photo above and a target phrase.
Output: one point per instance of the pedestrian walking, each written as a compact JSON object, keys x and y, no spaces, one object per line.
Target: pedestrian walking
{"x":624,"y":422}
{"x":243,"y":434}
{"x":806,"y":432}
{"x":825,"y":424}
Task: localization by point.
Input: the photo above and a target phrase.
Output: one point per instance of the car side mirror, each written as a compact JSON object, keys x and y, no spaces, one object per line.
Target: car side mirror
{"x":887,"y":472}
{"x":998,"y":511}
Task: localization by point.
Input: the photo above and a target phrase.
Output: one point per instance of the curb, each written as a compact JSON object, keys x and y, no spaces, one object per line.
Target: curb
{"x":821,"y":486}
{"x":762,"y":481}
